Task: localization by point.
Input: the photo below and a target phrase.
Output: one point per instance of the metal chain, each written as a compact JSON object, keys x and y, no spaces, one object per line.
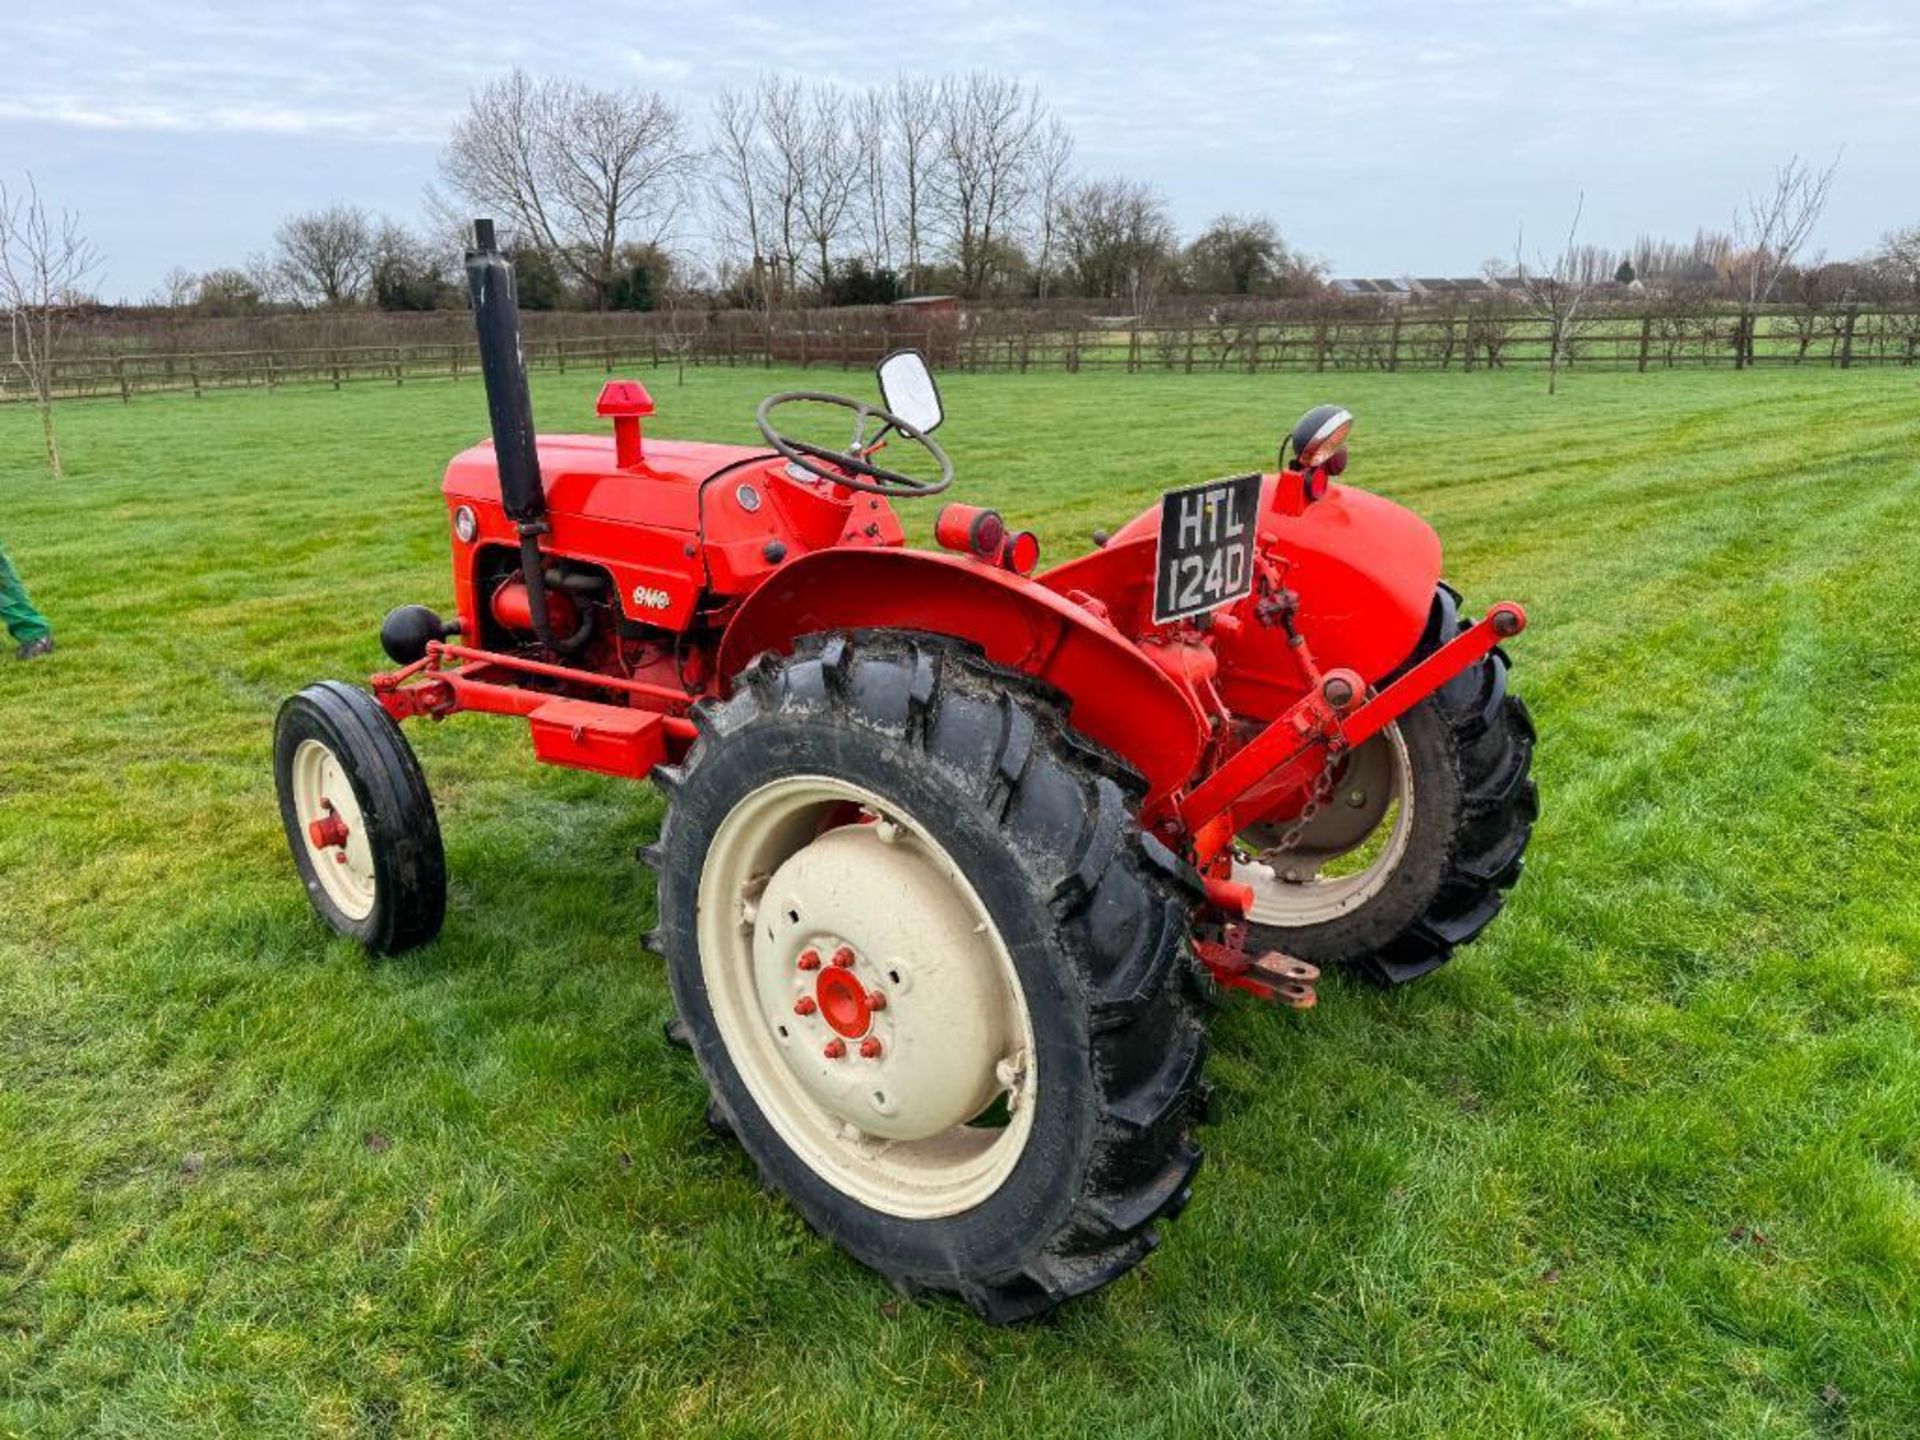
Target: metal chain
{"x":1317,"y":798}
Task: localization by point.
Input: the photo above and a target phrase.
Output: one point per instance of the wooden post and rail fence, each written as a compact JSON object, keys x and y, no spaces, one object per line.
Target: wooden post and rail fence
{"x":1395,"y":341}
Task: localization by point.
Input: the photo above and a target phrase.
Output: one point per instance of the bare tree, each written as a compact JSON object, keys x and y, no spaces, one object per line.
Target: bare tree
{"x":831,"y":178}
{"x":327,"y":256}
{"x":1769,"y":234}
{"x":736,"y":183}
{"x":1053,"y":175}
{"x":800,"y":176}
{"x":578,"y":172}
{"x":1700,"y":263}
{"x":913,"y":115}
{"x":1896,"y":264}
{"x":1556,"y":287}
{"x":989,"y":128}
{"x":176,"y":289}
{"x":785,"y":167}
{"x":790,"y":169}
{"x":677,"y":299}
{"x":873,"y":136}
{"x":1117,"y":239}
{"x":44,"y":264}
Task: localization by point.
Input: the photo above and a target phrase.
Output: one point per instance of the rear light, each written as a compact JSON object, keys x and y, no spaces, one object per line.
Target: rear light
{"x":1295,"y":489}
{"x":1022,"y":552}
{"x":970,"y":530}
{"x":1319,"y":450}
{"x":1321,"y":431}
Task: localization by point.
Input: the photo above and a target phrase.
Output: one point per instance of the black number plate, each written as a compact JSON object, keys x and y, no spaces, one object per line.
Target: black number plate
{"x":1206,"y":547}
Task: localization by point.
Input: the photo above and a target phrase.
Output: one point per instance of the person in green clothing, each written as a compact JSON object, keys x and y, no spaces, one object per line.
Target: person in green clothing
{"x":27,"y":626}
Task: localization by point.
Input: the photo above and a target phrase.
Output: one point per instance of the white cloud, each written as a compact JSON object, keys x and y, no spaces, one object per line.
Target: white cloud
{"x":1665,"y":111}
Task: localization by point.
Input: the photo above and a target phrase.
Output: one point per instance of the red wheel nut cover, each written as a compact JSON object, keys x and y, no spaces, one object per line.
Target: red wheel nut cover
{"x":843,"y":1003}
{"x":329,"y":832}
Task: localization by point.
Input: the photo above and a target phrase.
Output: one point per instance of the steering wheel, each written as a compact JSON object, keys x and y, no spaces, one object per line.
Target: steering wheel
{"x":850,"y":467}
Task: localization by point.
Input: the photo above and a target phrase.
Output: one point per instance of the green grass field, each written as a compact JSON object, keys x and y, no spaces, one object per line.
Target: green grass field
{"x":1644,"y":1161}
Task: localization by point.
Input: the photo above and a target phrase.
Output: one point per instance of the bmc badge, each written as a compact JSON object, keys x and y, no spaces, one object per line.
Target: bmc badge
{"x":645,"y":597}
{"x":1206,"y":547}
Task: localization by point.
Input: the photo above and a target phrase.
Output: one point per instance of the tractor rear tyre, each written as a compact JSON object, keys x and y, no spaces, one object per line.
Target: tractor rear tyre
{"x":1443,"y":803}
{"x":936,"y":979}
{"x":359,"y":818}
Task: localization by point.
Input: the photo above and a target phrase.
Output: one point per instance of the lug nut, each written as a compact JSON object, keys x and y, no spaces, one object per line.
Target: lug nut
{"x":805,"y":1005}
{"x":870,"y":1048}
{"x":834,"y":1048}
{"x":843,"y":957}
{"x":809,"y":959}
{"x":876,"y":999}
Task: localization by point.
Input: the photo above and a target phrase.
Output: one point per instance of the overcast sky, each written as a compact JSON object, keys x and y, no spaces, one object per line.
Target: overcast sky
{"x":1387,"y":137}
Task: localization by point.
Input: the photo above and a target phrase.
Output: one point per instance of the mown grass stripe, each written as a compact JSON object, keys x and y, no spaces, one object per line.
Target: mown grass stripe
{"x":1644,"y":1159}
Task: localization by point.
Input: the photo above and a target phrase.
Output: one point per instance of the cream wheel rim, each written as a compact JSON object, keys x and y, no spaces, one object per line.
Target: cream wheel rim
{"x":333,"y":829}
{"x":1305,"y":896}
{"x":865,"y":996}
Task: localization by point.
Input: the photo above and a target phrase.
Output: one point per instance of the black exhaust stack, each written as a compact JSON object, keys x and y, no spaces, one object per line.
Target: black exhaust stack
{"x":496,"y":317}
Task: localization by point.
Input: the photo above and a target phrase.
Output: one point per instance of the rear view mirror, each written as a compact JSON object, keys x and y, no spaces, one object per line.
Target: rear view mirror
{"x":908,"y":391}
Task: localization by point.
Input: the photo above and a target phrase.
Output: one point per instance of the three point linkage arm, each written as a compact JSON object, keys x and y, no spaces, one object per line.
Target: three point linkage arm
{"x":1327,"y":719}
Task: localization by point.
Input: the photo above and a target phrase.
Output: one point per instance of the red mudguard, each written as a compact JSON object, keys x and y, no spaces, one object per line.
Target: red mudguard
{"x":1363,"y":567}
{"x":1119,"y":698}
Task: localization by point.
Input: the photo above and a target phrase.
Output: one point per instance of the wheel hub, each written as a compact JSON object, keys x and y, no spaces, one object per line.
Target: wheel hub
{"x":842,"y":1002}
{"x":1366,"y":786}
{"x":813,"y":875}
{"x":878,"y":986}
{"x":330,"y":831}
{"x":329,"y":812}
{"x":1290,"y":887}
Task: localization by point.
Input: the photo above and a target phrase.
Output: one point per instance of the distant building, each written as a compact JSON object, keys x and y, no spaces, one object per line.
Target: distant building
{"x":1393,"y":291}
{"x":929,"y":323}
{"x":929,"y":304}
{"x":1431,"y":287}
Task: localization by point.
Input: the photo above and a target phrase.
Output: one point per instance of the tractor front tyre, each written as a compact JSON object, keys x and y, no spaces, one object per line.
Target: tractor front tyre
{"x":359,"y":818}
{"x":936,"y":979}
{"x":1425,"y":832}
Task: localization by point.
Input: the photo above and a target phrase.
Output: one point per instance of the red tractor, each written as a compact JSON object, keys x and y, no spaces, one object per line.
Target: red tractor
{"x":956,"y":849}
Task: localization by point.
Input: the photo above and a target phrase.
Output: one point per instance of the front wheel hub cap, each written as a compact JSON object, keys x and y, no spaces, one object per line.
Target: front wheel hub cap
{"x":328,"y":810}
